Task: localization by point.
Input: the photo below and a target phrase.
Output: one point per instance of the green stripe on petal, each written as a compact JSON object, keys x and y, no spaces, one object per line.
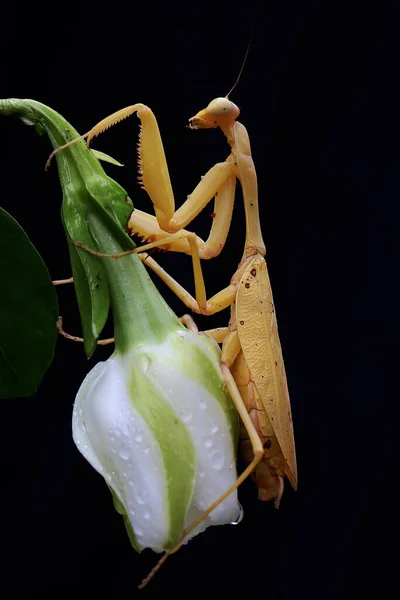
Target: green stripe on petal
{"x":176,"y":445}
{"x":197,"y":361}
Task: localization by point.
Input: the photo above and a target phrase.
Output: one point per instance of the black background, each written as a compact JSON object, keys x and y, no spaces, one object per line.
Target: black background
{"x":319,"y":96}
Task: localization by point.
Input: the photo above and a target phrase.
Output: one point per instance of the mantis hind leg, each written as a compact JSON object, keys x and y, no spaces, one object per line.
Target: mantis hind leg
{"x":229,"y":354}
{"x":147,"y":227}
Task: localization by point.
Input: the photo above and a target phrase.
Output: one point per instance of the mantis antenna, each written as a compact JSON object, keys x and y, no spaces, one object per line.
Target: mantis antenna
{"x":242,"y":67}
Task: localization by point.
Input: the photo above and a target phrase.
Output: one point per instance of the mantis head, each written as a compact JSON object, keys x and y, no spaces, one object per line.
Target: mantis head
{"x":219,"y":113}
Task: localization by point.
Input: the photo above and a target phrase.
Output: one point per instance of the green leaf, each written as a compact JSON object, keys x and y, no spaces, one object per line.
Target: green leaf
{"x":28,"y":312}
{"x":106,"y":158}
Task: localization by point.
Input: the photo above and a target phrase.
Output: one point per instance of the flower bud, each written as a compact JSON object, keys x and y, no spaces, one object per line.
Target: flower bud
{"x":157,"y":425}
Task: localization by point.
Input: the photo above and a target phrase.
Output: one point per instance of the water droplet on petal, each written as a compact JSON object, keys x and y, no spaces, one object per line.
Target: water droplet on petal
{"x":124,"y":453}
{"x":240,"y":516}
{"x":202,"y":405}
{"x":138,"y":437}
{"x":138,"y":530}
{"x":141,"y":497}
{"x":144,"y":361}
{"x":186,"y":415}
{"x":208,"y":442}
{"x":145,"y":450}
{"x":202,"y":503}
{"x":217,"y":459}
{"x":213,"y":427}
{"x":146,"y":515}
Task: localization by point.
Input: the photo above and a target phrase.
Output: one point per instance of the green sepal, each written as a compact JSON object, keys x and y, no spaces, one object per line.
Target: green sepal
{"x":87,"y":191}
{"x":106,"y":158}
{"x":129,"y":529}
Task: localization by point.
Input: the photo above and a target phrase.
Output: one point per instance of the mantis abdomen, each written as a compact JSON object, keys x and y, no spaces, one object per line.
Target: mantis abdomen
{"x":269,"y":473}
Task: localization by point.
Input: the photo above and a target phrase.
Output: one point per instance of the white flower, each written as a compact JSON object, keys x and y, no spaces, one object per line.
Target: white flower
{"x":157,"y":423}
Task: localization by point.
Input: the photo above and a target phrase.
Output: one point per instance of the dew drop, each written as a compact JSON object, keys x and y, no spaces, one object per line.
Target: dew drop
{"x":146,"y":515}
{"x":145,"y":361}
{"x":202,"y":405}
{"x":131,"y":482}
{"x":207,"y":442}
{"x":213,"y":427}
{"x":132,"y":512}
{"x":138,"y":437}
{"x":186,"y":415}
{"x":145,"y":450}
{"x":140,"y":497}
{"x":202,"y":474}
{"x":217,"y":459}
{"x":239,"y":518}
{"x":124,"y":454}
{"x":138,"y":530}
{"x":202,"y":503}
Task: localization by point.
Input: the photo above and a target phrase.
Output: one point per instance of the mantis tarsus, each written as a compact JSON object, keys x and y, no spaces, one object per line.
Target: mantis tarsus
{"x":251,"y":361}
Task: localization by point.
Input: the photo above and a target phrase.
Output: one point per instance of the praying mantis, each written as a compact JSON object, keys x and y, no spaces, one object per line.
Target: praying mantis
{"x":251,"y":361}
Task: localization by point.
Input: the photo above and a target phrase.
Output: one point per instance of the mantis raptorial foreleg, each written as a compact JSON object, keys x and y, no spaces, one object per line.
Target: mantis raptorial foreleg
{"x":155,"y":179}
{"x":147,"y":227}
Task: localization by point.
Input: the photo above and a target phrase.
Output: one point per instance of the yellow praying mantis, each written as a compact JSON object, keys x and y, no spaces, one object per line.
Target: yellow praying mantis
{"x":251,"y":361}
